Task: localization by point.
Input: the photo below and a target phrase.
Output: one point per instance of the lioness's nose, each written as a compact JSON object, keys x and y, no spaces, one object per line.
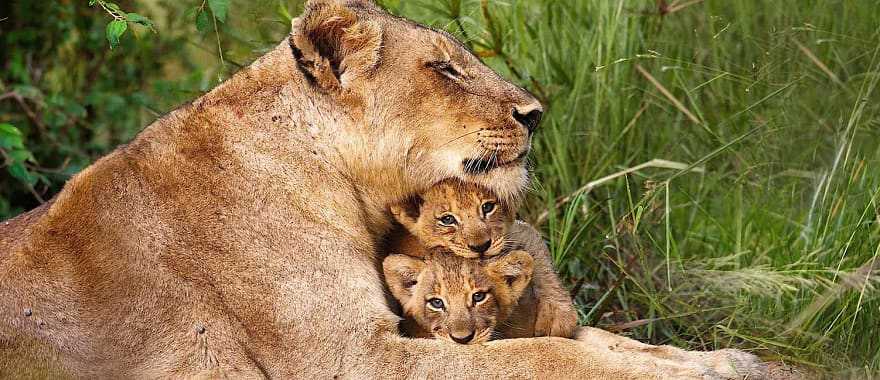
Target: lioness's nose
{"x":529,"y":116}
{"x":462,"y":340}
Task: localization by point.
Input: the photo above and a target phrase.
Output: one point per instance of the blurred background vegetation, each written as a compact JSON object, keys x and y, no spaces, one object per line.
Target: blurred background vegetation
{"x":706,"y":174}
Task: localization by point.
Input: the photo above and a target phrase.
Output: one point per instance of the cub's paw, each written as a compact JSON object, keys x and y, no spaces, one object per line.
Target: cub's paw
{"x":556,"y":318}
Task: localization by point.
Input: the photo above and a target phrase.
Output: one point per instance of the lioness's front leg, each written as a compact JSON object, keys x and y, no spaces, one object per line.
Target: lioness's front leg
{"x":595,"y":355}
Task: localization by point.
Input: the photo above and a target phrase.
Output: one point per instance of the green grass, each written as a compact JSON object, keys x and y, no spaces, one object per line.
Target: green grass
{"x":725,"y":152}
{"x":764,"y":235}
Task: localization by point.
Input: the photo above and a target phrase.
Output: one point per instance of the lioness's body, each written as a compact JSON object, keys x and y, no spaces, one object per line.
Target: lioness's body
{"x":235,"y":236}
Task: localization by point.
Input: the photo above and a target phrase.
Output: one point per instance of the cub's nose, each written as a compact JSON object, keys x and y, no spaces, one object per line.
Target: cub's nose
{"x":482,"y":247}
{"x":529,"y":117}
{"x":463,"y":340}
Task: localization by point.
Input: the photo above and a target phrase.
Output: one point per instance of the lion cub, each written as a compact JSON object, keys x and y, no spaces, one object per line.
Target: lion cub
{"x":468,"y":221}
{"x":463,"y":218}
{"x":462,"y":300}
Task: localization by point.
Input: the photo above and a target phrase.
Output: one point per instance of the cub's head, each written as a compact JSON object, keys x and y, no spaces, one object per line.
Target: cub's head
{"x":463,"y":218}
{"x":458,"y":299}
{"x":420,"y":100}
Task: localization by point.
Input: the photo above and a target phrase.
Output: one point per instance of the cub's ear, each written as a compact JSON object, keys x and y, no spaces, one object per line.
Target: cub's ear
{"x":407,"y":212}
{"x":515,"y":268}
{"x":402,"y":274}
{"x":333,"y":45}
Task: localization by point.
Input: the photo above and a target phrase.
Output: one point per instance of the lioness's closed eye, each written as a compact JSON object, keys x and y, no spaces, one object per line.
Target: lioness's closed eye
{"x":462,"y":300}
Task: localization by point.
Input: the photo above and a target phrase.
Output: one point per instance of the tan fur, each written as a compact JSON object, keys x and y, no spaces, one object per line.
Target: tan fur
{"x":454,"y":282}
{"x":236,"y":235}
{"x":473,"y":234}
{"x":546,"y":308}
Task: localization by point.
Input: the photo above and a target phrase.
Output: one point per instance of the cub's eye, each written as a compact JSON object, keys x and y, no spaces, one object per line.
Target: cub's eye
{"x":436,"y":303}
{"x":479,"y":297}
{"x":448,"y":220}
{"x":488,"y":207}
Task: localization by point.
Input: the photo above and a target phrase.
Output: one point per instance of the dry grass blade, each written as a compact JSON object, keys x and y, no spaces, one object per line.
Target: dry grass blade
{"x":675,"y":7}
{"x":818,"y":63}
{"x":857,"y":280}
{"x":655,"y":163}
{"x":629,"y":325}
{"x":678,"y":104}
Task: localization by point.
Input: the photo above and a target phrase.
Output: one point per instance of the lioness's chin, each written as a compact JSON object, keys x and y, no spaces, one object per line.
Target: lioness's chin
{"x":508,"y":182}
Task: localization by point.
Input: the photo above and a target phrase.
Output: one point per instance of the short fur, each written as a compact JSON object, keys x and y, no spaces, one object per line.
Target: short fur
{"x":474,"y":234}
{"x":454,"y":280}
{"x":547,"y":307}
{"x":236,"y":235}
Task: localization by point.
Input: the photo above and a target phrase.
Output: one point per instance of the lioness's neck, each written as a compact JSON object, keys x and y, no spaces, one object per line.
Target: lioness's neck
{"x":371,"y":157}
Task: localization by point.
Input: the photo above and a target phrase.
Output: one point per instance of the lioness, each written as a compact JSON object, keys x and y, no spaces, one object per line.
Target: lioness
{"x":236,"y":236}
{"x":466,"y":301}
{"x":470,"y":221}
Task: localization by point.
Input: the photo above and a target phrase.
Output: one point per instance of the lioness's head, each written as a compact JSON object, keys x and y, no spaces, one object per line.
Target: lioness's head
{"x":463,"y":218}
{"x":458,"y":299}
{"x":420,"y":101}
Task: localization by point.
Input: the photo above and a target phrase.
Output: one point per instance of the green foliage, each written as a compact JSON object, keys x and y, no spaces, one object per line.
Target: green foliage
{"x":117,"y":27}
{"x":706,"y":172}
{"x":15,"y":154}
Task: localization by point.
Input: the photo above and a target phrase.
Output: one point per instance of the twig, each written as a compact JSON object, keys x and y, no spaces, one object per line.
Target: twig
{"x":30,"y":188}
{"x":655,"y":163}
{"x":667,"y":94}
{"x":630,"y":325}
{"x":27,"y":109}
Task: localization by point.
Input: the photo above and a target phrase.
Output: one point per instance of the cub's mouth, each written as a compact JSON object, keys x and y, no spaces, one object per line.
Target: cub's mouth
{"x":483,"y":165}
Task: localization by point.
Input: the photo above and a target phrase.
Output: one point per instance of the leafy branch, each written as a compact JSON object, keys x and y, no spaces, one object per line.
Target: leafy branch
{"x":208,"y":13}
{"x":117,"y":27}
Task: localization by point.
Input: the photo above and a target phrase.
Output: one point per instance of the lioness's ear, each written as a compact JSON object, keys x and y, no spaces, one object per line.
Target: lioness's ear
{"x":407,"y":212}
{"x":515,"y":267}
{"x":332,"y":45}
{"x":402,"y":274}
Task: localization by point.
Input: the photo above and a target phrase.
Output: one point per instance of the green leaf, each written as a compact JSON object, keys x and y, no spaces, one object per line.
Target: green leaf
{"x":113,"y":7}
{"x":8,"y":129}
{"x":21,"y":155}
{"x":220,"y":8}
{"x":115,"y":29}
{"x":92,"y":2}
{"x":139,"y":19}
{"x":202,"y":21}
{"x":19,"y":172}
{"x":10,"y":137}
{"x":190,"y":13}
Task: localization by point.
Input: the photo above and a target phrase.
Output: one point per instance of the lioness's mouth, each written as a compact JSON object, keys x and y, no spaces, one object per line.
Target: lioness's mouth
{"x":484,"y":165}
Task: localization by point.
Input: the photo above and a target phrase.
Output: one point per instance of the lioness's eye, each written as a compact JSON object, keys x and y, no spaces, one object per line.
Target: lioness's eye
{"x":479,"y":297}
{"x":488,"y":207}
{"x":446,"y":68}
{"x":447,"y":220}
{"x":436,"y":303}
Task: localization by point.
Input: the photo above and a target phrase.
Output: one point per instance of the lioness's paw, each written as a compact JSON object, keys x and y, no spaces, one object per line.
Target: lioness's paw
{"x":555,"y":319}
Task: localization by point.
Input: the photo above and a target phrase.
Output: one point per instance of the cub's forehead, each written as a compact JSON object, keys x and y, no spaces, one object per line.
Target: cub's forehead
{"x":453,"y":193}
{"x":451,"y":273}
